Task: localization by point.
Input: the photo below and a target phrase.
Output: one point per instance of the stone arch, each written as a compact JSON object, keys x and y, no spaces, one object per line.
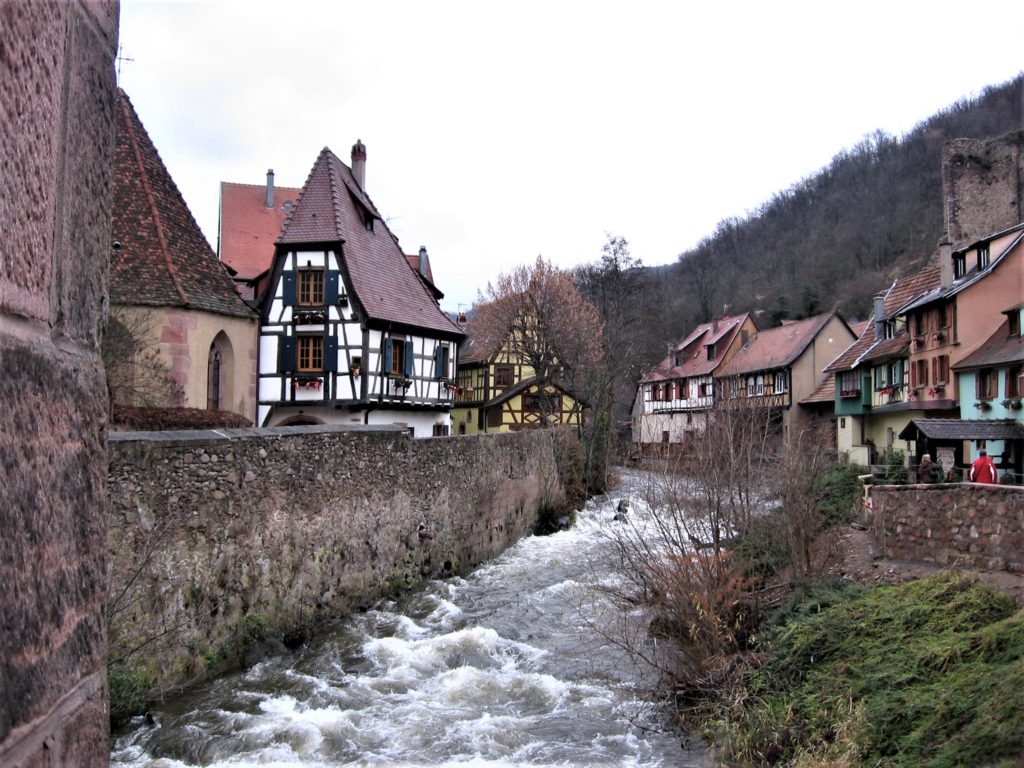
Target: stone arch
{"x":220,"y":374}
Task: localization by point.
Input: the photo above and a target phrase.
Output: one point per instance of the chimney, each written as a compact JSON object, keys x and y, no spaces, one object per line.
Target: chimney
{"x":359,"y":163}
{"x":880,"y":316}
{"x":714,"y":325}
{"x":270,"y":188}
{"x":945,"y":263}
{"x":424,"y":262}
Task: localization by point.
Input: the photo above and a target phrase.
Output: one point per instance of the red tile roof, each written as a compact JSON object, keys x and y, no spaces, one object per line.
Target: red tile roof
{"x":164,"y":260}
{"x":332,"y":208}
{"x":248,"y":229}
{"x":692,"y":350}
{"x":851,"y":356}
{"x":776,"y":347}
{"x":825,"y":393}
{"x":909,"y":288}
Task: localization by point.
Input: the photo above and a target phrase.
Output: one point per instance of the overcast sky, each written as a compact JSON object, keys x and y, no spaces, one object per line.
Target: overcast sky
{"x":497,"y":132}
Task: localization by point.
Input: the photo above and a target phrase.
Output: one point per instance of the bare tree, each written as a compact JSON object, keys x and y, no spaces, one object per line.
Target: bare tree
{"x":539,"y":316}
{"x":136,"y":373}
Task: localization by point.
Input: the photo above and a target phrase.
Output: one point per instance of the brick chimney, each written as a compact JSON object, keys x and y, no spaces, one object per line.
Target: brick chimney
{"x":270,"y":188}
{"x":359,"y":163}
{"x":424,"y":262}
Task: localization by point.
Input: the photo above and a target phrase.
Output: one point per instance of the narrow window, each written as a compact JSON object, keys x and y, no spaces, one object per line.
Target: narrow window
{"x":397,"y":357}
{"x":982,"y":257}
{"x":213,"y":379}
{"x":310,"y":353}
{"x":959,"y":265}
{"x":1013,"y":376}
{"x":1015,"y":323}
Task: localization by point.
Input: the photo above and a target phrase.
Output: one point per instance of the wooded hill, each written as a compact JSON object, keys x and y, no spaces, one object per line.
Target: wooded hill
{"x":833,"y":240}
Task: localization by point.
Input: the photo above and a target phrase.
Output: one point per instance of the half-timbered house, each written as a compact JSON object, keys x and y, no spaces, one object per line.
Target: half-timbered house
{"x":497,"y":390}
{"x":780,"y":367}
{"x":674,"y":398}
{"x":350,"y":332}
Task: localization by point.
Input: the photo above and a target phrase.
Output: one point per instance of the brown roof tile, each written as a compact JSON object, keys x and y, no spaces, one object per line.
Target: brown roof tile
{"x":825,"y":393}
{"x":999,"y":349}
{"x":332,"y":208}
{"x":692,"y":350}
{"x":164,"y":260}
{"x":909,"y":288}
{"x":776,"y":347}
{"x":852,"y":355}
{"x":248,"y":229}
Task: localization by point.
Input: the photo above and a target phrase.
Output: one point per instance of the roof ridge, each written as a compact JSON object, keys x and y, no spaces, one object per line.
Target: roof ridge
{"x":129,"y":110}
{"x":256,"y":186}
{"x":332,"y":177}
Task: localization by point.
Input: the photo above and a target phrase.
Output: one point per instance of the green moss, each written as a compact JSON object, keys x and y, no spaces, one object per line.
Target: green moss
{"x":128,"y":686}
{"x":928,"y":673}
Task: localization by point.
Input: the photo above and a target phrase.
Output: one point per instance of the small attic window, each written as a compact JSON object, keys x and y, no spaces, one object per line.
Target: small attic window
{"x":982,"y":257}
{"x":711,"y":351}
{"x":959,"y":265}
{"x":369,"y":223}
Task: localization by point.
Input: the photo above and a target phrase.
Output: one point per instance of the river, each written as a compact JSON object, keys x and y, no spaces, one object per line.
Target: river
{"x":502,"y":668}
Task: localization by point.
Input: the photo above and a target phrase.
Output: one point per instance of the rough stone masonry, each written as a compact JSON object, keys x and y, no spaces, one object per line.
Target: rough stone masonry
{"x":57,"y":94}
{"x":221,"y":540}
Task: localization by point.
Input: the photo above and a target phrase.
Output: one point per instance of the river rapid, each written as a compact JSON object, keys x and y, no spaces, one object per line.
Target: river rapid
{"x":503,"y":668}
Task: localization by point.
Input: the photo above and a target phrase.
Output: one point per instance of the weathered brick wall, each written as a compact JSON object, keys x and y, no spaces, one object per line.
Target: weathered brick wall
{"x":220,"y":537}
{"x":56,"y":148}
{"x":982,"y":182}
{"x":970,"y":524}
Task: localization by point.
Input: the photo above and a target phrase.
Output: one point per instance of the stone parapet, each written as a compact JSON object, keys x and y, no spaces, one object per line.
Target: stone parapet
{"x":956,"y":524}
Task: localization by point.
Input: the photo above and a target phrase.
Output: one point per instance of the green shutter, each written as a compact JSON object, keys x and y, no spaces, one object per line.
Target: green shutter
{"x":439,"y":362}
{"x":387,"y":357}
{"x":409,"y":353}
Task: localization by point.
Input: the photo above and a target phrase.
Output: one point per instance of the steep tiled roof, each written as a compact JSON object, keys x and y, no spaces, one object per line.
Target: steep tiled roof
{"x":999,"y":349}
{"x":478,"y":346}
{"x":248,"y":229}
{"x":164,"y":260}
{"x":333,"y":208}
{"x":887,"y":349}
{"x":825,"y":393}
{"x":910,"y":288}
{"x":692,"y":350}
{"x":851,"y":356}
{"x":776,"y":347}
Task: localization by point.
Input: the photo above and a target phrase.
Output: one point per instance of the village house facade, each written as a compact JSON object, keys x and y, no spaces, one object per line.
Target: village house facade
{"x":167,"y":284}
{"x":497,"y":390}
{"x":674,"y":398}
{"x":350,"y":332}
{"x":780,"y":367}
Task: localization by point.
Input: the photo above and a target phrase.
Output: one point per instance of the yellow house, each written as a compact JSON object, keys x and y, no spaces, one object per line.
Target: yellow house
{"x":496,"y":390}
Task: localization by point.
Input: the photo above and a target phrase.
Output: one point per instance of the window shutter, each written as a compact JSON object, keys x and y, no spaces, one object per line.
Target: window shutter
{"x":286,"y":354}
{"x":330,"y":352}
{"x":331,"y":288}
{"x":439,"y":362}
{"x":408,"y":358}
{"x":288,"y":280}
{"x":387,"y":357}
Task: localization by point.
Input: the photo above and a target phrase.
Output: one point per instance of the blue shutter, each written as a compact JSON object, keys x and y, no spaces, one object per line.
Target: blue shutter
{"x":387,"y":357}
{"x":330,"y":353}
{"x":288,"y":278}
{"x":439,"y":362}
{"x":331,"y":289}
{"x":408,"y":358}
{"x":286,"y":354}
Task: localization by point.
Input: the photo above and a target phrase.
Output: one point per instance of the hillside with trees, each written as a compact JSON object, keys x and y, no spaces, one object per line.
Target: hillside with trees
{"x":832,"y":240}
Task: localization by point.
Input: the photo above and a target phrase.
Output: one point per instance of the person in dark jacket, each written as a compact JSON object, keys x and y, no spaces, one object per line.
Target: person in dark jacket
{"x":929,"y":471}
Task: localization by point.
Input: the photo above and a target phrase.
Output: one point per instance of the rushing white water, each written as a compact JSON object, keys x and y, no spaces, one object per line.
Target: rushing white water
{"x":504,"y":668}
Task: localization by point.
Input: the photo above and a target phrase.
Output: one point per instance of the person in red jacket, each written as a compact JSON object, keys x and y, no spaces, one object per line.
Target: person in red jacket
{"x":983,"y":470}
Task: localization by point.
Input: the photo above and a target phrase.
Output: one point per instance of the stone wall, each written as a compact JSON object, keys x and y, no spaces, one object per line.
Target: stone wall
{"x":982,"y":185}
{"x":223,"y":540}
{"x":56,"y":148}
{"x":969,"y":524}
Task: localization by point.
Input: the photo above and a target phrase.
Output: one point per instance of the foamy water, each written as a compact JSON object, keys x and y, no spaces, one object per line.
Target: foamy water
{"x":509,"y":667}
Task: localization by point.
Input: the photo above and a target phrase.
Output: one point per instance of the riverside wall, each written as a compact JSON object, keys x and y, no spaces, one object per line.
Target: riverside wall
{"x":224,"y":541}
{"x":967,"y":524}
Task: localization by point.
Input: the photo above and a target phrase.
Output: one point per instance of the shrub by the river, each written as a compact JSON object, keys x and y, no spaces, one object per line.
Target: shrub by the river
{"x":927,"y":673}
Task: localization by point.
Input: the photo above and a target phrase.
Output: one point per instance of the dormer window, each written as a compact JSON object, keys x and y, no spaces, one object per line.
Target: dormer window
{"x":711,"y":351}
{"x":890,"y":329}
{"x":982,"y":257}
{"x":959,"y":265}
{"x":1014,"y":318}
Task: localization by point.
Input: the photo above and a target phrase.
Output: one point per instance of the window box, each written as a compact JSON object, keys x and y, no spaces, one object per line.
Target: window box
{"x":401,"y":382}
{"x":850,"y":393}
{"x":308,"y":382}
{"x":1013,"y":405}
{"x":309,"y":317}
{"x":939,"y":336}
{"x":983,"y":405}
